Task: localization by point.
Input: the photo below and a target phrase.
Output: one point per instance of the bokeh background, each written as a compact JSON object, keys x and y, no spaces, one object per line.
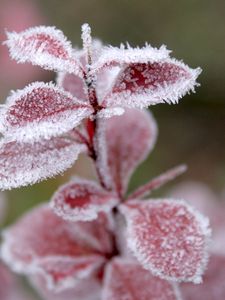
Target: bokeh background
{"x":192,"y":131}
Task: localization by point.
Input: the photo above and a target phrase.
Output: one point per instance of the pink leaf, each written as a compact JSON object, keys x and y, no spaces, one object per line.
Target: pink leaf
{"x":203,"y":199}
{"x":97,"y":234}
{"x":6,"y":282}
{"x":144,"y":84}
{"x":44,"y":46}
{"x":42,"y":243}
{"x":23,"y":163}
{"x":41,"y":110}
{"x":85,"y":289}
{"x":10,"y":287}
{"x":213,"y":287}
{"x":73,"y":84}
{"x":113,"y":56}
{"x":82,"y":200}
{"x":129,"y":139}
{"x":128,"y":280}
{"x":168,"y":237}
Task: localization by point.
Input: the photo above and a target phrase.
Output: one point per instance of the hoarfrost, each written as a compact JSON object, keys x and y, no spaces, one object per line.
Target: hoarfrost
{"x":24,"y":163}
{"x":127,"y":280}
{"x":143,"y":84}
{"x":82,"y":200}
{"x":113,"y":56}
{"x":168,"y":237}
{"x":43,"y":244}
{"x":43,"y":46}
{"x":129,"y":139}
{"x":41,"y":111}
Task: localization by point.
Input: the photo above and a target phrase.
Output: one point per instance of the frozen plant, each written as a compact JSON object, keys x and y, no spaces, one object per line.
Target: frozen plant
{"x":93,"y":241}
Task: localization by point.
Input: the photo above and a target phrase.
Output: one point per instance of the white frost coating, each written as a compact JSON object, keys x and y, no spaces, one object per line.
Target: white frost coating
{"x":139,"y":249}
{"x":107,"y":113}
{"x":87,"y":42}
{"x":84,"y":289}
{"x":37,"y":266}
{"x":101,"y":149}
{"x":105,"y":80}
{"x":24,"y":164}
{"x":164,"y":92}
{"x":91,"y":199}
{"x":44,"y":125}
{"x":130,"y":139}
{"x":23,"y":49}
{"x":47,"y":257}
{"x":112,"y":56}
{"x":73,"y":84}
{"x":125,"y":279}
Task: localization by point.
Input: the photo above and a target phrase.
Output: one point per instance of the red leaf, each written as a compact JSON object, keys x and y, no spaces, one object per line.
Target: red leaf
{"x":73,"y":84}
{"x":129,"y":140}
{"x":128,"y":280}
{"x":211,"y":205}
{"x":42,"y":243}
{"x":144,"y":84}
{"x":113,"y":56}
{"x":82,"y":200}
{"x":44,"y":46}
{"x":10,"y":287}
{"x":168,"y":237}
{"x":86,"y":289}
{"x":213,"y":287}
{"x":22,"y":163}
{"x":41,"y":110}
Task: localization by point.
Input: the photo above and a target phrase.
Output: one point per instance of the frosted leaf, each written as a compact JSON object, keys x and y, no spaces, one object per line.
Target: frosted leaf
{"x":107,"y":113}
{"x":198,"y":195}
{"x":100,"y":146}
{"x":129,"y":139}
{"x":23,"y":163}
{"x":105,"y":81}
{"x":42,"y":243}
{"x":168,"y":237}
{"x":72,"y":84}
{"x":213,"y":287}
{"x":97,"y":234}
{"x":43,"y":46}
{"x":86,"y":289}
{"x":127,"y":280}
{"x":40,"y":111}
{"x":82,"y":200}
{"x":114,"y":56}
{"x":144,"y":84}
{"x":10,"y":287}
{"x":202,"y":198}
{"x":6,"y":282}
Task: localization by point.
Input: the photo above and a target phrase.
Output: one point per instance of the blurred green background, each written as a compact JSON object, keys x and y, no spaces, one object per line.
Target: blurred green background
{"x":192,"y":131}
